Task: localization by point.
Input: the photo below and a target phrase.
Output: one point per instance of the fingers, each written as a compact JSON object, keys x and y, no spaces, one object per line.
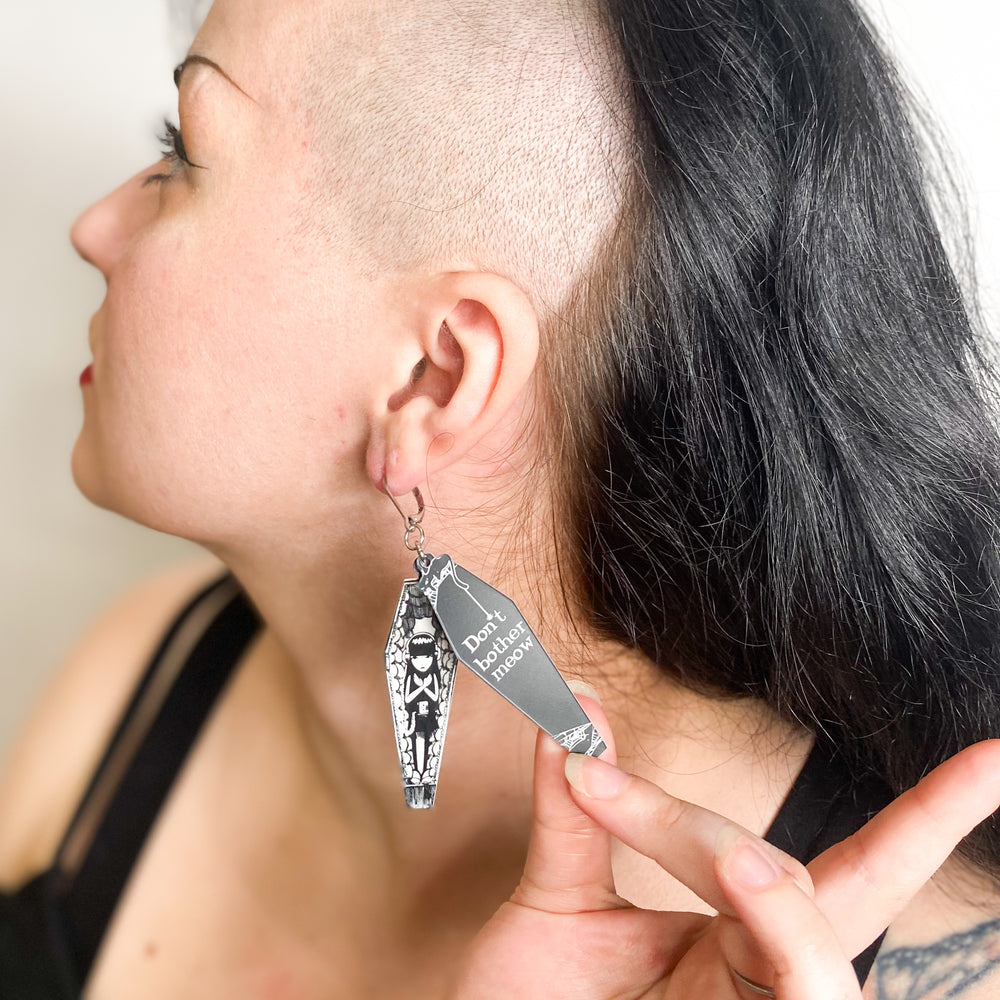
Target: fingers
{"x":864,"y":882}
{"x":782,"y":938}
{"x":568,"y":869}
{"x":679,"y":836}
{"x":770,"y":930}
{"x":780,"y":933}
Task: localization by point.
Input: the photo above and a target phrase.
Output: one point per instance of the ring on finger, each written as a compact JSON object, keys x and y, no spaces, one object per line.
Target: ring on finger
{"x":763,"y":991}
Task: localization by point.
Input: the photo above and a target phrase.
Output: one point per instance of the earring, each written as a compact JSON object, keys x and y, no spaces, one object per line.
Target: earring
{"x":482,"y":628}
{"x":420,"y":668}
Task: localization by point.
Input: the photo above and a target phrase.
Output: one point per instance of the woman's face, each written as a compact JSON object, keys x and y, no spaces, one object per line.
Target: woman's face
{"x":232,"y":354}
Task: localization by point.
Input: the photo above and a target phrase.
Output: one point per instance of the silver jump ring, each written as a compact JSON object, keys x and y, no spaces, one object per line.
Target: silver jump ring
{"x":418,"y":546}
{"x":412,"y":521}
{"x":761,"y":991}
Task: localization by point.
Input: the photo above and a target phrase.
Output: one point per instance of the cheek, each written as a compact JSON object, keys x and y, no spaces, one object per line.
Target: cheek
{"x":217,"y":386}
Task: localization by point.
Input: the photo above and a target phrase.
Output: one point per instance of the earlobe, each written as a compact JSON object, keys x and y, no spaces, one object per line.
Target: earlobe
{"x":479,"y":336}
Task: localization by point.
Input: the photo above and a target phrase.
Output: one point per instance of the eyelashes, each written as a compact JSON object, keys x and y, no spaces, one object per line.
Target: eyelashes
{"x":174,"y":153}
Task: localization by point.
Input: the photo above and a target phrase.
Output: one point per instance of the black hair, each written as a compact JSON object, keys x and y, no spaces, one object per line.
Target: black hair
{"x":793,"y":491}
{"x":422,"y":644}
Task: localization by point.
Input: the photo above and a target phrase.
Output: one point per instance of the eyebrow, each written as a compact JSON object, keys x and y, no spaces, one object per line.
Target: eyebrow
{"x":205,"y":61}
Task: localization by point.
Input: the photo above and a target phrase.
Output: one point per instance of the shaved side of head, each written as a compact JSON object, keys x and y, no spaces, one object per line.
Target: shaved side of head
{"x":464,"y":133}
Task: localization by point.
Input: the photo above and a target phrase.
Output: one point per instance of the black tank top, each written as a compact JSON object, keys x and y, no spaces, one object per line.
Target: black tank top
{"x":52,"y":927}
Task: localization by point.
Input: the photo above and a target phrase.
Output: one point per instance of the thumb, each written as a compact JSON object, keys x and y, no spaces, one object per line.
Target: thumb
{"x":568,"y":869}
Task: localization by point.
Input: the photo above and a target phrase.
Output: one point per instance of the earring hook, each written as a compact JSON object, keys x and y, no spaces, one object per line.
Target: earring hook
{"x":409,"y":519}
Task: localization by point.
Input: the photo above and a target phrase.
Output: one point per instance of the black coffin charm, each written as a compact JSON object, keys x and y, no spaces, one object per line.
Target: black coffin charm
{"x":490,"y":636}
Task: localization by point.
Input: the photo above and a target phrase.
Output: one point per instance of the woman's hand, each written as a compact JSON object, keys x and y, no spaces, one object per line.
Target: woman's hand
{"x":565,"y":934}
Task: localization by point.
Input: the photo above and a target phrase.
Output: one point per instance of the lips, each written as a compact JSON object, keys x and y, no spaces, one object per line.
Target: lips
{"x":87,"y":375}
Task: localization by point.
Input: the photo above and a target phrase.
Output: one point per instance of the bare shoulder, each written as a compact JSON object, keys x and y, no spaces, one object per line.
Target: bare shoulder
{"x":62,"y":739}
{"x":946,"y":944}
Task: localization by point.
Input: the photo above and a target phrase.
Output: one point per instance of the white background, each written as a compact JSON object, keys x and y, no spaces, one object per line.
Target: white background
{"x":83,"y":88}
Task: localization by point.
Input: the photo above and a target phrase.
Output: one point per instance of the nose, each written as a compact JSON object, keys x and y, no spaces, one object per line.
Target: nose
{"x":103,"y":231}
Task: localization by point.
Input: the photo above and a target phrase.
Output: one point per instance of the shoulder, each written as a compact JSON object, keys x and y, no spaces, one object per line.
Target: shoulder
{"x":945,"y":944}
{"x":63,"y":738}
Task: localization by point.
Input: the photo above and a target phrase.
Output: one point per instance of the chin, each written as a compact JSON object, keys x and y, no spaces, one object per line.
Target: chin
{"x":86,"y":474}
{"x":131,"y":495}
{"x":103,"y":488}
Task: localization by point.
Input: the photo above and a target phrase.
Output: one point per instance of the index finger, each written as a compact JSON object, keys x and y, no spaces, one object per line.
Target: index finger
{"x":865,"y":881}
{"x":681,"y":837}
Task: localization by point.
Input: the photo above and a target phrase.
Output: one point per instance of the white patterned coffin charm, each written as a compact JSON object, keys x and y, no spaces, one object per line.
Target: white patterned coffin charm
{"x":420,"y":667}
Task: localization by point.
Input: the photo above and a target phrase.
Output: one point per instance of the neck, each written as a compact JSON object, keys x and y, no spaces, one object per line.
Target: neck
{"x":330,"y":617}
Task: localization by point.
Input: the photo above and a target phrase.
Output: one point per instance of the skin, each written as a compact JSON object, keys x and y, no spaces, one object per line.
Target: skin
{"x":784,"y":924}
{"x":253,"y":390}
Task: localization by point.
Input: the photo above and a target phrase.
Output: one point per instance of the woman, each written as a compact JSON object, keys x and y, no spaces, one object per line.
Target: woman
{"x":646,"y":300}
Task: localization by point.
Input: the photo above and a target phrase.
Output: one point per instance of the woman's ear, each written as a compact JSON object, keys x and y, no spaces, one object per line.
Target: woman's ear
{"x":476,"y":339}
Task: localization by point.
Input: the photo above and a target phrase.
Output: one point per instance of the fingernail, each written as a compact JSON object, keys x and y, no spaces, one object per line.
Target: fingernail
{"x":594,"y":778}
{"x":582,"y":687}
{"x":747,"y":865}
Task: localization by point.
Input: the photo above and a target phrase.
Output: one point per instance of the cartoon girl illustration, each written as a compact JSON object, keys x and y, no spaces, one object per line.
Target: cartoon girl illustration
{"x":422,"y":695}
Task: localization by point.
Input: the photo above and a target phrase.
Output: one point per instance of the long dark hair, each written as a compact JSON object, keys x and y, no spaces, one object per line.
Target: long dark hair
{"x":790,"y":486}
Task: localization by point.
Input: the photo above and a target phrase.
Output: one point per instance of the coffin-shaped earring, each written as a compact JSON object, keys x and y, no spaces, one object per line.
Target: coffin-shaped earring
{"x":448,"y":614}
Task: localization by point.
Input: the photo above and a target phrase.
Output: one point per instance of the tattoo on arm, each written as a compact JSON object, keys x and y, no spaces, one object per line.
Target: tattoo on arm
{"x":942,"y":970}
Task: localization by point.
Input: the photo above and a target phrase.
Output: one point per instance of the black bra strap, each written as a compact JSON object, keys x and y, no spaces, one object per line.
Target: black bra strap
{"x":825,"y":806}
{"x":161,"y":724}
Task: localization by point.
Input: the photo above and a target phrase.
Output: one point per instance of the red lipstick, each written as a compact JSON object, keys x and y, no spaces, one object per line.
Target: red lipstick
{"x":87,"y":375}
